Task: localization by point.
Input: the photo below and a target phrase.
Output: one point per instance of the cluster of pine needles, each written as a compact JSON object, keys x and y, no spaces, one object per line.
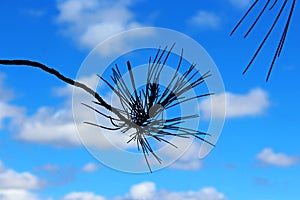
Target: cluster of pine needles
{"x":142,"y":106}
{"x":281,"y":6}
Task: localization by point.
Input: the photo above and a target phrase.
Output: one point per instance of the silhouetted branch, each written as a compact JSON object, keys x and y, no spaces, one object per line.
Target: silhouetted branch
{"x":142,"y":109}
{"x":54,"y":72}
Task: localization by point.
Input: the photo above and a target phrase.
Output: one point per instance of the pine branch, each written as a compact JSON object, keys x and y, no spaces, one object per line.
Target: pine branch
{"x":141,"y":108}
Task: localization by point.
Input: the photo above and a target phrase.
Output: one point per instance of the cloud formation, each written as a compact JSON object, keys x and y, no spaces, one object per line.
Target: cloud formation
{"x":253,"y":103}
{"x":55,"y":126}
{"x":148,"y":191}
{"x":14,"y":185}
{"x":20,"y":194}
{"x":82,"y":196}
{"x":206,"y":20}
{"x":8,"y":111}
{"x":92,"y":21}
{"x":17,"y":185}
{"x":6,"y":94}
{"x":145,"y":190}
{"x":10,"y":179}
{"x":90,"y":167}
{"x":190,"y":158}
{"x":241,"y":4}
{"x":269,"y":157}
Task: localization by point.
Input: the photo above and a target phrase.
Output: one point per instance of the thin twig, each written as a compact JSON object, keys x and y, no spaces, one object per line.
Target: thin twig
{"x":65,"y":79}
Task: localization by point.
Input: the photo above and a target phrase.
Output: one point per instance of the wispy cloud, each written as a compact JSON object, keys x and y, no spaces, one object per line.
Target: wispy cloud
{"x":49,"y":126}
{"x":6,"y":94}
{"x":260,"y":181}
{"x":13,"y":194}
{"x":240,"y":3}
{"x":90,"y":167}
{"x":189,"y":160}
{"x":90,"y":22}
{"x":49,"y":168}
{"x":147,"y":191}
{"x":17,"y":185}
{"x":10,"y":179}
{"x":57,"y":175}
{"x":55,"y":126}
{"x":10,"y":112}
{"x":7,"y":110}
{"x":35,"y":12}
{"x":237,"y":105}
{"x":269,"y":157}
{"x":206,"y":20}
{"x":82,"y":196}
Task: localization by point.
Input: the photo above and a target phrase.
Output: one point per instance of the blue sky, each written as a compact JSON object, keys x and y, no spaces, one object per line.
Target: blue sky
{"x":41,"y":157}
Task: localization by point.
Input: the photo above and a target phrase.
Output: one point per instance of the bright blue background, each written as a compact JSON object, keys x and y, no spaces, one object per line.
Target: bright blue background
{"x":30,"y":30}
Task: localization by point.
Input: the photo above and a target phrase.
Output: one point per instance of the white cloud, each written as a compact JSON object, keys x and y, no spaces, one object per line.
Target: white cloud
{"x":240,"y":3}
{"x":99,"y":32}
{"x":207,"y":193}
{"x":16,"y":185}
{"x":269,"y":157}
{"x":145,"y":190}
{"x":19,"y":194}
{"x":148,"y":191}
{"x":10,"y":179}
{"x":189,"y":160}
{"x":49,"y":126}
{"x":8,"y":111}
{"x":91,"y":21}
{"x":206,"y":19}
{"x":82,"y":196}
{"x":56,"y":126}
{"x":90,"y":167}
{"x":49,"y":168}
{"x":237,"y":105}
{"x":6,"y":94}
